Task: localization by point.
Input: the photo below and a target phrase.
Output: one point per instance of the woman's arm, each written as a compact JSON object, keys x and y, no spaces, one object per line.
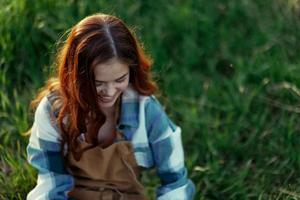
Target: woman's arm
{"x":166,"y":144}
{"x":44,"y":154}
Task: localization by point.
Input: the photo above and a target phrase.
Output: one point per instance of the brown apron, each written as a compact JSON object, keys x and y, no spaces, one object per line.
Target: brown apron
{"x":106,"y":174}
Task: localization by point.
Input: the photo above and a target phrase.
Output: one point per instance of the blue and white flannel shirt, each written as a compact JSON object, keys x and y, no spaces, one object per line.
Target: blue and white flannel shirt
{"x":143,"y":121}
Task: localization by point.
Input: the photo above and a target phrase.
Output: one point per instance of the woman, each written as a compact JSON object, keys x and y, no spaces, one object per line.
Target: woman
{"x":98,"y":124}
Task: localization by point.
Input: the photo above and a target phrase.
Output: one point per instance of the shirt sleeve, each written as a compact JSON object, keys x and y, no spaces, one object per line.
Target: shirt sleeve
{"x":166,"y":144}
{"x":44,"y":154}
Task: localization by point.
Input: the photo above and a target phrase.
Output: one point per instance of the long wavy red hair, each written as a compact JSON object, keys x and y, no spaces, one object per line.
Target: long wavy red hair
{"x":95,"y":39}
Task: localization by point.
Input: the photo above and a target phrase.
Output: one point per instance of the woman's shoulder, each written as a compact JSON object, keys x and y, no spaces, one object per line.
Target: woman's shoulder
{"x":150,"y":104}
{"x":48,"y":109}
{"x":43,"y":108}
{"x":44,"y":126}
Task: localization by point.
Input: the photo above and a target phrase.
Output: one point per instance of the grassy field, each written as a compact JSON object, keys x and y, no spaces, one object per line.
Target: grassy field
{"x":229,"y":72}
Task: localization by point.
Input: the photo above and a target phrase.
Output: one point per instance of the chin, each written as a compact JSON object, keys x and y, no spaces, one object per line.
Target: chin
{"x":109,"y":104}
{"x":106,"y":105}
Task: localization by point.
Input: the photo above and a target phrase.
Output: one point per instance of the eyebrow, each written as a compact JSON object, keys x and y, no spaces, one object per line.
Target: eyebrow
{"x":115,"y":79}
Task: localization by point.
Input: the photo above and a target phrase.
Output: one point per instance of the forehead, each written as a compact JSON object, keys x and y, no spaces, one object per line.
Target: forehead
{"x":110,"y":70}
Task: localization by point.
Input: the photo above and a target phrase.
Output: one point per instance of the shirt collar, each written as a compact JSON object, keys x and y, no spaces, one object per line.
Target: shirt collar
{"x":129,"y":113}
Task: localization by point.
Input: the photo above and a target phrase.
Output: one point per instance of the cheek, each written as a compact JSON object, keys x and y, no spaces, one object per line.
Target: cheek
{"x":122,"y":86}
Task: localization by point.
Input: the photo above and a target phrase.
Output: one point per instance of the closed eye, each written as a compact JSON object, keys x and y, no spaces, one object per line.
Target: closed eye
{"x":98,"y":83}
{"x":122,"y":78}
{"x":118,"y":80}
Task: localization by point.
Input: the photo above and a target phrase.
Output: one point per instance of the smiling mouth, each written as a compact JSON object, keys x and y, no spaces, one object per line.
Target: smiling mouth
{"x":106,"y":100}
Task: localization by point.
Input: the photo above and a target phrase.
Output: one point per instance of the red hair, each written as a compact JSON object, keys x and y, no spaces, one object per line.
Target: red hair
{"x":95,"y":39}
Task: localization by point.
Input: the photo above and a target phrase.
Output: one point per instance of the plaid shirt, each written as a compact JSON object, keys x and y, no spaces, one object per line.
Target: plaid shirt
{"x":143,"y":121}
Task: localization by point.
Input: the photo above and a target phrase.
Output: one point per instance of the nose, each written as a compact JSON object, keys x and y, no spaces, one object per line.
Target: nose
{"x":108,"y":90}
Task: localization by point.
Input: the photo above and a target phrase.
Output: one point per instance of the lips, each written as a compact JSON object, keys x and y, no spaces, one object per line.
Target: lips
{"x":106,"y":100}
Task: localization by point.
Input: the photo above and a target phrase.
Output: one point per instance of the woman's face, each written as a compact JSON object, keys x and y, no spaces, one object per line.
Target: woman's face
{"x":111,"y":79}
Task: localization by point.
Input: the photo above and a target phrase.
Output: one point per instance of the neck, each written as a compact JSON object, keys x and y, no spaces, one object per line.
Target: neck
{"x":109,"y":112}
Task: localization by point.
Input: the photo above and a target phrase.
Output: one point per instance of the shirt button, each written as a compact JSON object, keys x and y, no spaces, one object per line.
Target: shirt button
{"x":121,"y":127}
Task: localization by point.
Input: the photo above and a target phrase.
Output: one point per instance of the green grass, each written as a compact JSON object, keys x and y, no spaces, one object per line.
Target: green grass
{"x":229,"y":72}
